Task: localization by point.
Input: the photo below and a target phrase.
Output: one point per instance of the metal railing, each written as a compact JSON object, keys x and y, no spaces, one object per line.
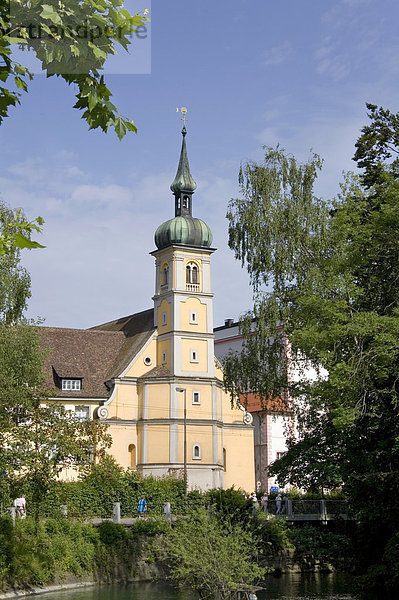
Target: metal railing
{"x":298,"y":509}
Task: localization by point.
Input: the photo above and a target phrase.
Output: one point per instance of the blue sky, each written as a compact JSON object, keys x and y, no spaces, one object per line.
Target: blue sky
{"x":251,"y":72}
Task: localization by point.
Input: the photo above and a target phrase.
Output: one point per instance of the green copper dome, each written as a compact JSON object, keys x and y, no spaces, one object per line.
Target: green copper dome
{"x":184,"y":230}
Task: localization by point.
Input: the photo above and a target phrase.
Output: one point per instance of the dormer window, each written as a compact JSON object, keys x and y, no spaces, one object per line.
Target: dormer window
{"x":71,"y":384}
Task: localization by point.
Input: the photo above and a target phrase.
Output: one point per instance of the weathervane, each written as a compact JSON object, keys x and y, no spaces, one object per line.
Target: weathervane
{"x":183,"y":111}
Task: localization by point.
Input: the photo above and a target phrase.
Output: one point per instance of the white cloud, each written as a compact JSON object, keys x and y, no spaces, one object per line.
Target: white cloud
{"x":277,"y":54}
{"x":98,"y":236}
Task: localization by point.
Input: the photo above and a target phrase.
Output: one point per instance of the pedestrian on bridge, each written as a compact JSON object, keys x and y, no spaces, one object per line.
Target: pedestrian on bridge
{"x":142,"y":508}
{"x":278,"y":504}
{"x":264,"y":500}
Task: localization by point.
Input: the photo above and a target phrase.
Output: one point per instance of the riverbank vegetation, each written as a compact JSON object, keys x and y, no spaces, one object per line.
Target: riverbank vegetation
{"x":216,"y":546}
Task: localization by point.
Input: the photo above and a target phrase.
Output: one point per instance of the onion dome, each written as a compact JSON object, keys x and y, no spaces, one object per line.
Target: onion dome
{"x":184,"y":229}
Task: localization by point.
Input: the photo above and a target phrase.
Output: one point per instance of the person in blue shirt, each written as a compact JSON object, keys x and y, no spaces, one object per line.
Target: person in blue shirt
{"x":142,"y":507}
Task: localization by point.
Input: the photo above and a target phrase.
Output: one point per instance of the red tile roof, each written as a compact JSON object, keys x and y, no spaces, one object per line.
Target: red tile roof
{"x":254,"y":403}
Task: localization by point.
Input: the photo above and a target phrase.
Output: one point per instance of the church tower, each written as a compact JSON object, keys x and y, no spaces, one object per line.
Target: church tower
{"x":183,"y":296}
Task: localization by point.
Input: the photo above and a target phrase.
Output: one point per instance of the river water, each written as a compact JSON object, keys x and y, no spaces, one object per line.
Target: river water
{"x":287,"y":587}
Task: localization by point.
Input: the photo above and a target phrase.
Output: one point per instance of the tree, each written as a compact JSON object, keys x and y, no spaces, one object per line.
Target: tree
{"x":37,"y":438}
{"x":378,"y":143}
{"x":329,"y":272}
{"x":211,"y":557}
{"x":72,"y":40}
{"x":15,"y":233}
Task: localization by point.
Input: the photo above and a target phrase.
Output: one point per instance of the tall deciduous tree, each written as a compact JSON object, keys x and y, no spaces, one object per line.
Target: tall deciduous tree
{"x":329,"y":272}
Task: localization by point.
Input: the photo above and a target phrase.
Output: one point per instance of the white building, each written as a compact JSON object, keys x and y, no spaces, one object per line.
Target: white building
{"x":270,"y":424}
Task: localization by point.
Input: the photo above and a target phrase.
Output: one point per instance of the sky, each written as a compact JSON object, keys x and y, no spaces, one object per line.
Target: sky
{"x":251,"y":73}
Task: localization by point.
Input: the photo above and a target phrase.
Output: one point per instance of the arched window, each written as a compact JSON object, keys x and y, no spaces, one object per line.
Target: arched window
{"x":192,"y":273}
{"x":196,"y":452}
{"x":165,"y":275}
{"x":185,"y":201}
{"x":132,"y":453}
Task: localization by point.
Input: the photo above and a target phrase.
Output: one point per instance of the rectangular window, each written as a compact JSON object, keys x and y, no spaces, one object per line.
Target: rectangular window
{"x":196,"y":398}
{"x":164,"y":357}
{"x":82,"y":412}
{"x":71,"y":384}
{"x":164,"y":319}
{"x":193,"y":356}
{"x":193,"y":318}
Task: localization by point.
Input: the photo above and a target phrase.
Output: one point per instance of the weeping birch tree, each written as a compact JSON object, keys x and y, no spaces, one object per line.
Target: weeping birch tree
{"x":325,"y":277}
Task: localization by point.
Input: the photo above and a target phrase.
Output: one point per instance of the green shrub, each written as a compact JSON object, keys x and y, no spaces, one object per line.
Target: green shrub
{"x":230,"y":504}
{"x":111,"y":533}
{"x":107,"y":483}
{"x":36,"y":553}
{"x":151,"y":526}
{"x":321,"y":543}
{"x":273,"y":535}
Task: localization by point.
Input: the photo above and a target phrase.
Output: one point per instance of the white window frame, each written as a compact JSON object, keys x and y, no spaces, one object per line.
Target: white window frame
{"x":194,"y":356}
{"x":164,"y":357}
{"x":71,"y":385}
{"x":199,"y":452}
{"x":197,"y":394}
{"x":193,"y":317}
{"x":79,"y":413}
{"x":164,"y":318}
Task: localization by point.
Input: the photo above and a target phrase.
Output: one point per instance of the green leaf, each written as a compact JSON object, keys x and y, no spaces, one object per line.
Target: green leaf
{"x":120,"y":127}
{"x":20,"y":83}
{"x":15,"y":40}
{"x":49,"y":13}
{"x":23,"y":242}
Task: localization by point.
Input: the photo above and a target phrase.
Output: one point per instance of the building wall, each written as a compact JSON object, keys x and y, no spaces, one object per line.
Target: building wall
{"x":269,"y":426}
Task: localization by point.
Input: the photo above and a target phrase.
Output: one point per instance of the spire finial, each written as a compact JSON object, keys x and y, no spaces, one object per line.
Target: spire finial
{"x":183,"y":111}
{"x":183,"y":183}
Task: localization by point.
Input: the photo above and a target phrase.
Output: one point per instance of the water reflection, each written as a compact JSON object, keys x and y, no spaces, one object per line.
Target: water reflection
{"x":287,"y":587}
{"x":316,"y":586}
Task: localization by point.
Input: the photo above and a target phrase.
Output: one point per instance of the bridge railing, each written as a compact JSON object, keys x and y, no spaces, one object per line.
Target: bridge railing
{"x":302,"y":509}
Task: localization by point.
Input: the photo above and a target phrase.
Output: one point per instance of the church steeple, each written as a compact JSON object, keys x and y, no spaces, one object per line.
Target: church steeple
{"x":183,"y":185}
{"x":183,"y":229}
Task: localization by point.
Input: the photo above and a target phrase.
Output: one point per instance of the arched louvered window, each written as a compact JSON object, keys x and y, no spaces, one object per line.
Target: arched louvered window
{"x":192,"y":273}
{"x":165,"y":275}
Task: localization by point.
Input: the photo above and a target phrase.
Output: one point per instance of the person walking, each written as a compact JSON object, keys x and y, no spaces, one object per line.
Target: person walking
{"x":278,"y":504}
{"x":142,"y":507}
{"x":20,"y":507}
{"x":264,"y":500}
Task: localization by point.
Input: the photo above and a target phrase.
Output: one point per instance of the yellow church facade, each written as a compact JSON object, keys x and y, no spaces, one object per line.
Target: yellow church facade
{"x":152,"y":377}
